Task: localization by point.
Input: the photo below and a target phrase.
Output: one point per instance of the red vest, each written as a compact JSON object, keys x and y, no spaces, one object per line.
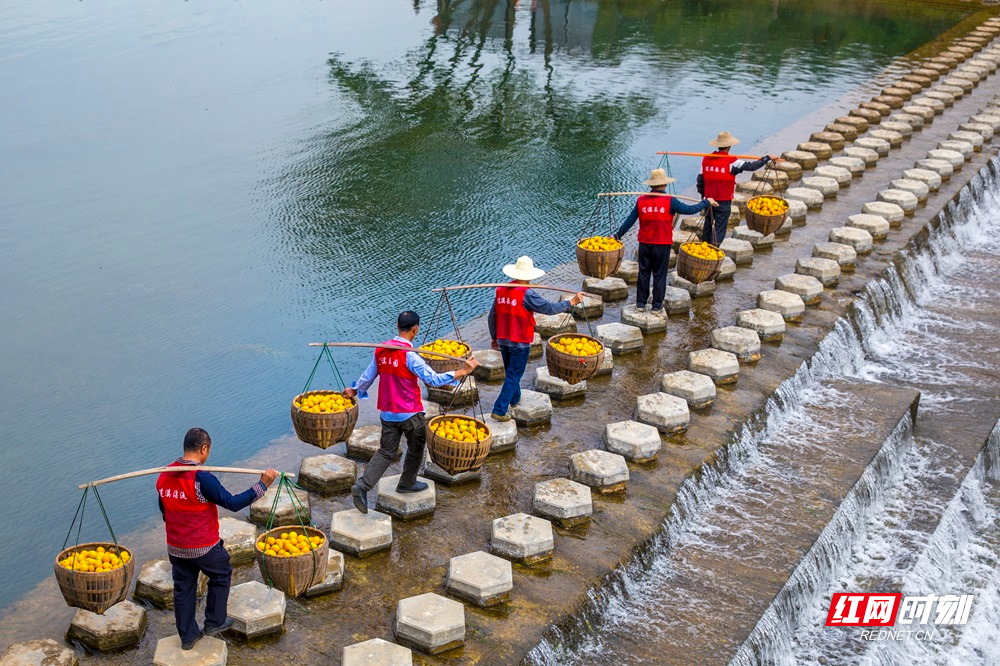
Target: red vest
{"x":514,"y":321}
{"x":190,"y":522}
{"x":398,"y":388}
{"x":720,"y":183}
{"x":656,"y":222}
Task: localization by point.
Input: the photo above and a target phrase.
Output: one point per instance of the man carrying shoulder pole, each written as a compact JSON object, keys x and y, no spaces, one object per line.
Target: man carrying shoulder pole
{"x":718,"y":181}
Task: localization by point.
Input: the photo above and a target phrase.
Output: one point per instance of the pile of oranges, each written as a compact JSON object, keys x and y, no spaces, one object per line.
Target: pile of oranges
{"x":577,"y":346}
{"x":289,"y":544}
{"x":323,"y":402}
{"x":450,"y":347}
{"x":768,"y":205}
{"x":703,"y":251}
{"x":96,"y":560}
{"x":460,"y":429}
{"x":600,"y":244}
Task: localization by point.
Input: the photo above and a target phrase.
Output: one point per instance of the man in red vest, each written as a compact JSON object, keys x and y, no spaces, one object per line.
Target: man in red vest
{"x":655,"y":212}
{"x":402,"y":412}
{"x":189,"y":503}
{"x":718,"y":181}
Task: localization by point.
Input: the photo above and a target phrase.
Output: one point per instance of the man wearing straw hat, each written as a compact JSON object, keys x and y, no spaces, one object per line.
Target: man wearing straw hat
{"x":512,"y":327}
{"x":718,"y":181}
{"x":655,"y":212}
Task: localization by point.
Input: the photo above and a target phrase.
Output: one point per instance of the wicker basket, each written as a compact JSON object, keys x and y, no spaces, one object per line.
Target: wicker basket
{"x":94,"y":591}
{"x":599,"y":264}
{"x":439,"y":364}
{"x":695,"y":269}
{"x":457,"y":457}
{"x":568,"y":367}
{"x":765,"y":224}
{"x":323,"y":430}
{"x":294,"y":575}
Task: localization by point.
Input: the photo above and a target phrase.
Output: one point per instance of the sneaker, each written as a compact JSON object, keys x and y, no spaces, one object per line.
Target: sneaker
{"x":215,"y":631}
{"x":415,"y":488}
{"x":499,"y":417}
{"x":656,"y":308}
{"x":360,"y":497}
{"x":190,"y":645}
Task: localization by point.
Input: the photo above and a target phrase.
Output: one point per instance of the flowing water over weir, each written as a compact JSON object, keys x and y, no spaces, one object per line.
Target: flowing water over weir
{"x":923,"y":518}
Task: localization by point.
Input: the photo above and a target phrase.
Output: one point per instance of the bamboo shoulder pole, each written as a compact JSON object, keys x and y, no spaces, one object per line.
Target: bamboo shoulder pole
{"x":493,"y":285}
{"x":742,"y":157}
{"x":168,"y":470}
{"x":652,"y":194}
{"x":371,"y":345}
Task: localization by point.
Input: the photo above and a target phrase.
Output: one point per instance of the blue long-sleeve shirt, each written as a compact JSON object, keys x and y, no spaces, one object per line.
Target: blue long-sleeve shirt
{"x":534,"y":303}
{"x":417,"y":365}
{"x":676,"y":206}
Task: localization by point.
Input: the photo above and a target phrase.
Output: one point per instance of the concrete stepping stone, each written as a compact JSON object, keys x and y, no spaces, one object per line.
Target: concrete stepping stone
{"x":120,"y":627}
{"x":480,"y":578}
{"x":522,"y":538}
{"x":879,"y":145}
{"x":982,"y":129}
{"x":549,"y":325}
{"x":842,"y":176}
{"x":859,"y":124}
{"x":859,"y":239}
{"x":904,"y":130}
{"x":928,"y":73}
{"x":558,"y":388}
{"x":360,"y":534}
{"x":42,"y":652}
{"x":812,"y":198}
{"x":692,"y":223}
{"x":562,"y":501}
{"x":963,"y":80}
{"x":844,"y":255}
{"x":758,"y":240}
{"x":915,"y":187}
{"x":935,"y":105}
{"x":721,"y":367}
{"x":956,"y":91}
{"x":240,"y":539}
{"x":628,"y":271}
{"x":803,"y":158}
{"x":256,"y":609}
{"x":592,"y":306}
{"x":754,"y":188}
{"x":740,"y":251}
{"x":603,"y":471}
{"x":620,"y":338}
{"x":832,"y":139}
{"x":534,"y":409}
{"x":634,"y":441}
{"x":867,"y":155}
{"x":465,"y":393}
{"x":667,"y":413}
{"x":909,"y":86}
{"x":893,"y":138}
{"x":376,"y":652}
{"x":892,"y":212}
{"x":700,"y":290}
{"x":905,"y":200}
{"x":871,"y":115}
{"x":209,"y":651}
{"x":770,"y":326}
{"x":898,"y":91}
{"x":328,"y":473}
{"x":828,"y":187}
{"x":855,"y":166}
{"x":647,"y":321}
{"x":946,"y":98}
{"x":155,"y":583}
{"x":405,"y":506}
{"x":911,"y":121}
{"x":610,"y":288}
{"x":778,"y":180}
{"x":727,"y":271}
{"x":490,"y":367}
{"x":433,"y":471}
{"x":891,"y":101}
{"x":822,"y":151}
{"x":963,"y":147}
{"x":876,"y":225}
{"x":791,"y":169}
{"x":849,"y":132}
{"x":943,"y":169}
{"x":985,"y":63}
{"x":607,"y":363}
{"x":364,"y":442}
{"x":334,"y":578}
{"x":743,"y":342}
{"x":430,"y":623}
{"x":878,"y":106}
{"x":973,"y":138}
{"x":797,"y":210}
{"x":925,"y":176}
{"x":676,"y":300}
{"x":826,"y":271}
{"x":924,"y":113}
{"x":504,"y":435}
{"x":286,"y":512}
{"x":788,"y":305}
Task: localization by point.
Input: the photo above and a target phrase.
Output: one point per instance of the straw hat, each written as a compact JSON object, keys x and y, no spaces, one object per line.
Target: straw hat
{"x":724,"y":140}
{"x":658,"y":177}
{"x":523,"y":269}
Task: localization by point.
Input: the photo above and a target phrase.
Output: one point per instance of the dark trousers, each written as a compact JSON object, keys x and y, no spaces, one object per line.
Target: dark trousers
{"x":215,"y":565}
{"x":392,"y":432}
{"x":720,"y":214}
{"x":515,"y":360}
{"x":654,"y":262}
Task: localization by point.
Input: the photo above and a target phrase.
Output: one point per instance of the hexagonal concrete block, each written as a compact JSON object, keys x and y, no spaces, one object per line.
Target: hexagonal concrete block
{"x":740,"y":251}
{"x":893,"y":130}
{"x":867,"y":155}
{"x":859,"y":239}
{"x":534,"y":409}
{"x":334,"y":578}
{"x":912,"y":122}
{"x":952,"y":157}
{"x":465,"y":393}
{"x":822,"y":151}
{"x":803,"y":158}
{"x":743,"y":342}
{"x":360,"y":534}
{"x":826,"y":271}
{"x":828,"y":187}
{"x":727,"y":270}
{"x":925,"y":176}
{"x":430,"y":623}
{"x":812,"y":198}
{"x":875,"y":107}
{"x":591,"y":308}
{"x":891,"y":212}
{"x":844,"y":255}
{"x":239,"y":538}
{"x":256,"y":609}
{"x":700,"y":290}
{"x":364,"y":443}
{"x":696,"y":389}
{"x":973,"y":138}
{"x":721,"y":367}
{"x":42,"y":652}
{"x":209,"y":651}
{"x":376,"y":652}
{"x":287,"y":512}
{"x":120,"y":627}
{"x":433,"y":471}
{"x":905,"y":200}
{"x":558,"y":388}
{"x":603,"y":471}
{"x":676,"y":300}
{"x":915,"y":187}
{"x":842,"y":176}
{"x":549,"y":325}
{"x":770,"y":326}
{"x":155,"y":583}
{"x":647,"y":321}
{"x":665,"y":412}
{"x":935,"y":105}
{"x":833,"y":139}
{"x":327,"y":473}
{"x":943,"y":169}
{"x":491,"y":368}
{"x":924,"y":113}
{"x":983,"y":129}
{"x":634,"y":441}
{"x":855,"y":166}
{"x":620,"y":338}
{"x":522,"y":538}
{"x":879,"y":145}
{"x":893,"y":138}
{"x":607,"y":363}
{"x":405,"y":506}
{"x":859,"y":124}
{"x":788,"y":305}
{"x":966,"y":148}
{"x":504,"y":435}
{"x":797,"y":210}
{"x":610,"y":288}
{"x":628,"y":271}
{"x":566,"y":503}
{"x":755,"y":238}
{"x":480,"y":578}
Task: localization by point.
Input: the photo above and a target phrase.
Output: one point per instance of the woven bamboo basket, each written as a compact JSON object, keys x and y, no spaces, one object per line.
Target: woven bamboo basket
{"x":294,"y":575}
{"x":765,"y":224}
{"x":455,"y":457}
{"x":599,"y":264}
{"x":569,"y":368}
{"x":696,"y":269}
{"x":324,"y":430}
{"x":439,"y":364}
{"x":92,"y":590}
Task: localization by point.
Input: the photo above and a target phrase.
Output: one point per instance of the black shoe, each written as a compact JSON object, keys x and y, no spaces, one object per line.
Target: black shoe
{"x":360,"y":497}
{"x":215,"y":631}
{"x":415,"y":488}
{"x":188,"y":646}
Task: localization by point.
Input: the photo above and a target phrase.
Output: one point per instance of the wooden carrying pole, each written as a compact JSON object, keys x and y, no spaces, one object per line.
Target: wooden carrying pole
{"x":371,"y":345}
{"x":178,"y":468}
{"x":742,"y":157}
{"x":651,"y":194}
{"x":493,"y":285}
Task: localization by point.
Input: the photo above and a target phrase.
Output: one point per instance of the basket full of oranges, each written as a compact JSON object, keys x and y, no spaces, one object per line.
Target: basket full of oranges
{"x":599,"y":256}
{"x":458,"y":443}
{"x":766,"y":213}
{"x":449,"y":347}
{"x":573,"y":357}
{"x":94,"y":576}
{"x":324,"y":418}
{"x":699,"y":262}
{"x":293,"y":559}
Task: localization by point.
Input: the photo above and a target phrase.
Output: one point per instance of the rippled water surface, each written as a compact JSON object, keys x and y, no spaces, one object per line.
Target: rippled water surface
{"x":192,"y":191}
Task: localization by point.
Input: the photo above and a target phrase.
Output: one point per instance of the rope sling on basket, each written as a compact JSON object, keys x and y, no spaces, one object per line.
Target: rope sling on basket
{"x":292,"y":559}
{"x":323,"y":417}
{"x":574,"y":357}
{"x":599,"y":256}
{"x":766,"y":213}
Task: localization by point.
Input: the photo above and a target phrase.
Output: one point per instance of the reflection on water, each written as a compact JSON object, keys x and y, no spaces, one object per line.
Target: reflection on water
{"x":195,"y":190}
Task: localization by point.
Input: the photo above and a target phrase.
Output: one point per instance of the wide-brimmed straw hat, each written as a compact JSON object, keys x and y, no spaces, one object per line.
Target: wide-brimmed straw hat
{"x":523,"y":269}
{"x":724,"y":140}
{"x":658,"y":177}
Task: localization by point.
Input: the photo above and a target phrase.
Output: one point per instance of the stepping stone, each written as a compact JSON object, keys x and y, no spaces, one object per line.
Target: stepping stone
{"x":905,"y":200}
{"x":490,"y":367}
{"x":699,"y":290}
{"x":755,"y":238}
{"x":433,"y":471}
{"x":41,"y":652}
{"x":504,"y":435}
{"x":924,"y":113}
{"x":982,"y":129}
{"x":879,"y":145}
{"x":953,"y":89}
{"x":855,"y":166}
{"x":770,"y":326}
{"x":740,"y":251}
{"x":925,"y":176}
{"x":788,"y":305}
{"x":558,"y":388}
{"x":898,"y":91}
{"x":969,"y":137}
{"x":592,"y":306}
{"x":962,"y":80}
{"x":720,"y":366}
{"x":755,"y":188}
{"x":522,"y":538}
{"x":927,"y":73}
{"x":859,"y":239}
{"x":812,"y":198}
{"x":826,"y":271}
{"x":878,"y":106}
{"x":912,"y":122}
{"x":465,"y":393}
{"x":849,"y":132}
{"x":891,"y":101}
{"x":828,"y":187}
{"x":797,"y":210}
{"x":610,"y":288}
{"x":209,"y":651}
{"x":482,"y":579}
{"x":935,"y":105}
{"x":534,"y":409}
{"x":620,"y":338}
{"x":866,"y":155}
{"x":727,"y":270}
{"x":256,"y":609}
{"x":964,"y":147}
{"x":376,"y":652}
{"x":871,"y":115}
{"x":791,"y":169}
{"x":894,"y":139}
{"x":628,"y":271}
{"x":822,"y":151}
{"x":360,"y":534}
{"x":778,"y":180}
{"x":155,"y":583}
{"x":859,"y":124}
{"x":603,"y":471}
{"x":940,"y":167}
{"x":634,"y":441}
{"x":840,"y":175}
{"x":334,"y":578}
{"x":889,"y":126}
{"x":917,"y":188}
{"x":364,"y":442}
{"x":832,"y":139}
{"x":328,"y":473}
{"x":608,"y":362}
{"x":665,"y":412}
{"x":676,"y":300}
{"x":844,"y":255}
{"x":737,"y":340}
{"x":909,"y":86}
{"x":892,"y":212}
{"x":430,"y":623}
{"x":803,"y":158}
{"x":120,"y":627}
{"x":946,"y":98}
{"x":549,"y":325}
{"x":692,"y":223}
{"x":566,"y":503}
{"x":405,"y":506}
{"x":654,"y":321}
{"x":875,"y":225}
{"x":537,"y":347}
{"x":239,"y":538}
{"x":286,"y":512}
